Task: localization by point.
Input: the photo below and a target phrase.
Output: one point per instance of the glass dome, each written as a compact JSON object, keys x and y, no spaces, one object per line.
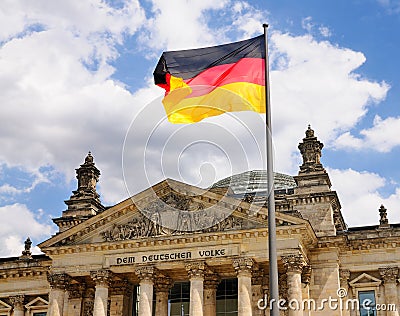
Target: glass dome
{"x":255,"y":181}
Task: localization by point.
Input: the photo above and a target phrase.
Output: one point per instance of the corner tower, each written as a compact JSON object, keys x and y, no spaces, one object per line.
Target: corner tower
{"x":85,"y":201}
{"x":313,"y":196}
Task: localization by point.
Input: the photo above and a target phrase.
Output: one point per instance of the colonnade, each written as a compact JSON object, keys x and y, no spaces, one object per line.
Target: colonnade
{"x":203,"y":288}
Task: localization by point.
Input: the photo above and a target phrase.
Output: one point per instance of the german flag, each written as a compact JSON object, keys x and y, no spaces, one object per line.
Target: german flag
{"x":210,"y":81}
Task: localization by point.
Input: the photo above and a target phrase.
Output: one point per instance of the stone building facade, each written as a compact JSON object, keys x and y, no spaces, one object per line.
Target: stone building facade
{"x":175,"y":249}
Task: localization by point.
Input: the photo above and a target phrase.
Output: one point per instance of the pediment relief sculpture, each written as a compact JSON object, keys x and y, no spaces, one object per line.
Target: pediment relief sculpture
{"x":167,"y":214}
{"x":172,"y":222}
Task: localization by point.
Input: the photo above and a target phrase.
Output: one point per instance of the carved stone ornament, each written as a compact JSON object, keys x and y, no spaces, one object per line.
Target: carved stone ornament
{"x":283,"y":286}
{"x":195,"y":269}
{"x":87,"y":175}
{"x":383,"y":221}
{"x":344,"y":277}
{"x":306,"y":275}
{"x":161,"y":220}
{"x":243,"y":265}
{"x":76,"y":290}
{"x":310,"y":150}
{"x":145,"y":273}
{"x":389,"y":274}
{"x":257,"y":277}
{"x":17,"y":302}
{"x":211,"y":280}
{"x":162,"y":283}
{"x":58,"y":280}
{"x":121,"y":287}
{"x":88,"y":308}
{"x":293,"y":263}
{"x":101,"y":277}
{"x":27,"y":249}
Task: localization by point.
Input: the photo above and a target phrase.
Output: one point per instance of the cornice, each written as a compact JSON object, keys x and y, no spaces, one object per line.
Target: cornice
{"x":343,"y":243}
{"x":304,"y":232}
{"x":24,"y":273}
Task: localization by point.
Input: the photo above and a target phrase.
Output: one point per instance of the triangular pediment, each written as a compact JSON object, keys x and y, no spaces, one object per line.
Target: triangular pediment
{"x":167,"y":209}
{"x":37,"y":302}
{"x":4,"y":306}
{"x":365,"y":279}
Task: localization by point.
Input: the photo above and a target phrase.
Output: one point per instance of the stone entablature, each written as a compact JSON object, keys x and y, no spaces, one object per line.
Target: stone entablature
{"x":303,"y":231}
{"x":25,"y":268}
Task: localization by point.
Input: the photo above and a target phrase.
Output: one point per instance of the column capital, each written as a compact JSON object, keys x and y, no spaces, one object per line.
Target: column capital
{"x":344,"y":277}
{"x":17,"y":301}
{"x":196,"y":269}
{"x":101,"y":277}
{"x":243,"y":265}
{"x":162,"y":283}
{"x":145,"y":273}
{"x":294,"y":263}
{"x":58,"y":280}
{"x":389,"y":274}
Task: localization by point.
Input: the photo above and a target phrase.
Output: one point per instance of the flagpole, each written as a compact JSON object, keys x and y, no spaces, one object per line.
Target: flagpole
{"x":273,"y":258}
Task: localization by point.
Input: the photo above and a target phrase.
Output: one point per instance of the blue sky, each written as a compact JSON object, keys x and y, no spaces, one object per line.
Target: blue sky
{"x":70,"y":84}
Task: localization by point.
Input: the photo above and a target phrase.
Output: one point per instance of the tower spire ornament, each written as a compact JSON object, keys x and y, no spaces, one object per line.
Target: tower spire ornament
{"x":84,"y":201}
{"x":310,"y":150}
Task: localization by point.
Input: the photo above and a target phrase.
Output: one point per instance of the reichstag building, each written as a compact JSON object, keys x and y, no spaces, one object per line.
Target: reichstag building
{"x":175,"y":249}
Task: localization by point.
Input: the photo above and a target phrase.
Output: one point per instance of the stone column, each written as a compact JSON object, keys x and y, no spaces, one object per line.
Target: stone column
{"x":344,"y":276}
{"x":211,"y":282}
{"x":102,"y":279}
{"x":88,"y":302}
{"x":257,"y":291}
{"x":294,"y":266}
{"x":305,"y":288}
{"x":196,"y":275}
{"x":17,"y":302}
{"x":120,"y":293}
{"x":265,"y":290}
{"x":162,"y":287}
{"x":243,"y":267}
{"x":75,"y":298}
{"x":58,"y":283}
{"x":146,"y":276}
{"x":389,"y":276}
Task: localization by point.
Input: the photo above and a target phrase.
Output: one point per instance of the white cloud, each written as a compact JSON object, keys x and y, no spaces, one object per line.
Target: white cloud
{"x":247,"y":19}
{"x":381,"y":137}
{"x":359,"y":195}
{"x":8,"y":189}
{"x":316,"y":83}
{"x":59,"y":101}
{"x":54,"y":109}
{"x":307,"y":24}
{"x":18,"y":16}
{"x":199,"y":23}
{"x":325,"y":31}
{"x":16,"y":228}
{"x":182,"y":25}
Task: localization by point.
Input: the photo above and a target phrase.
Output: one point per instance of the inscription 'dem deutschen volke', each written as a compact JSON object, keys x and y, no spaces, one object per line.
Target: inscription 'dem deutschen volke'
{"x":171,"y":255}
